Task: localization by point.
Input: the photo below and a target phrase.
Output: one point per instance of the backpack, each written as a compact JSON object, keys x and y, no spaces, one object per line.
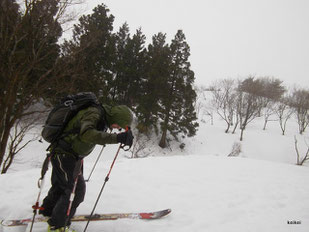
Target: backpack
{"x":63,"y":112}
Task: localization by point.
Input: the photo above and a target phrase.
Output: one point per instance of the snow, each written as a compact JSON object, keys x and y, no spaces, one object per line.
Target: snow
{"x":261,"y":190}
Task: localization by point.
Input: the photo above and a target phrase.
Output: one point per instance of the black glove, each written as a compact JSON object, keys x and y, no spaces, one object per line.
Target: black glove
{"x":125,"y":138}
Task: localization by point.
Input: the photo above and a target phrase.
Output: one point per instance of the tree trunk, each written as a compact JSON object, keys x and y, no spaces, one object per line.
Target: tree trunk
{"x":241,"y":134}
{"x":228,"y":128}
{"x":7,"y":163}
{"x":164,"y":129}
{"x":265,"y":124}
{"x":163,"y":139}
{"x":3,"y":143}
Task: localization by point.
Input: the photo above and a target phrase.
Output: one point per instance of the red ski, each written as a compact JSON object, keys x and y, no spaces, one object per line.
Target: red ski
{"x":95,"y":217}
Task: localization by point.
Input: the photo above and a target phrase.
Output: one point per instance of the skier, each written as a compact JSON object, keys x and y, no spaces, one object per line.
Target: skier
{"x":80,"y":136}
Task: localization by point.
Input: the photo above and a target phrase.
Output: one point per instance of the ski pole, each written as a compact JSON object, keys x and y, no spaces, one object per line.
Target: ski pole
{"x":105,"y":181}
{"x":76,"y":173}
{"x":95,"y":164}
{"x":36,"y":207}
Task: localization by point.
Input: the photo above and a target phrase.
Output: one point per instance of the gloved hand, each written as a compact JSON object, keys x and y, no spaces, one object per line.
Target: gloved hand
{"x":125,"y":138}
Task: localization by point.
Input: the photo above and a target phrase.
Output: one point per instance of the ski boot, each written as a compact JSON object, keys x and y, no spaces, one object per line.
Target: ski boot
{"x":61,"y":229}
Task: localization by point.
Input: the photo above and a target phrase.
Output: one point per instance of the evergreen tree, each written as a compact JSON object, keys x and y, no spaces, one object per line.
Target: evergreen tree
{"x":136,"y":56}
{"x":120,"y":79}
{"x":129,"y":66}
{"x":156,"y":66}
{"x":92,"y":52}
{"x":176,"y":102}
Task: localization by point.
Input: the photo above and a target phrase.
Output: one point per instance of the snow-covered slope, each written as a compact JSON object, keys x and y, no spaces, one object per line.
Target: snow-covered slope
{"x":261,"y":190}
{"x":206,"y":193}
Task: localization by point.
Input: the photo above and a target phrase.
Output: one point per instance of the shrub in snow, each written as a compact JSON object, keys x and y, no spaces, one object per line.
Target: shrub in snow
{"x":236,"y":149}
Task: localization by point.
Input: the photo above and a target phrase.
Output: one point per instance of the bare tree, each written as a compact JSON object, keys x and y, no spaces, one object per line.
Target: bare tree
{"x":20,"y":136}
{"x":300,"y":102}
{"x":284,"y":113}
{"x":301,"y":160}
{"x":30,"y":59}
{"x":199,"y":103}
{"x":272,"y":89}
{"x":202,"y":106}
{"x":141,"y":146}
{"x":268,"y":111}
{"x":248,"y":102}
{"x":224,"y":97}
{"x":17,"y":140}
{"x":271,"y":92}
{"x":236,"y":118}
{"x":208,"y":111}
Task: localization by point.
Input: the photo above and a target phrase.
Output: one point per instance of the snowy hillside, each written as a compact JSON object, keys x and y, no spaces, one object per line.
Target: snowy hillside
{"x":261,"y":190}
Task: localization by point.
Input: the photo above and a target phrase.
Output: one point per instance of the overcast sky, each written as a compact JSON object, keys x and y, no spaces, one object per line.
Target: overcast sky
{"x":228,"y":38}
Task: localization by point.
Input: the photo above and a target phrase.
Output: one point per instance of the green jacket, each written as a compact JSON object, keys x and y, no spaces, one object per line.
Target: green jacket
{"x":85,"y":134}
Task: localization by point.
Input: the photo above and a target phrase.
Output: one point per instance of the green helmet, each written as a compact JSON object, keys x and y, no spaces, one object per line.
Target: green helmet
{"x":121,"y":115}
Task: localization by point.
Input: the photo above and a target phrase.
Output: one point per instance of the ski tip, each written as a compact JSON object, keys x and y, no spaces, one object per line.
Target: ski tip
{"x":155,"y":215}
{"x":164,"y":213}
{"x":167,"y":211}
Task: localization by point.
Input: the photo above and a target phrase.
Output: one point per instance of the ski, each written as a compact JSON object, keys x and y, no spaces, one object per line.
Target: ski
{"x":95,"y":217}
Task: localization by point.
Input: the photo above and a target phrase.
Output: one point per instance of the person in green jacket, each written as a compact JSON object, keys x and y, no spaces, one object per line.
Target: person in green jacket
{"x":82,"y":133}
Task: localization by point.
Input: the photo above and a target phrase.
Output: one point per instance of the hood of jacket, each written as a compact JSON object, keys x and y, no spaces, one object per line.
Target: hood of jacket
{"x":120,"y":115}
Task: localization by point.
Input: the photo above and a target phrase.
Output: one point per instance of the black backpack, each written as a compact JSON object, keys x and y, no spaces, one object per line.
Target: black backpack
{"x":63,"y":112}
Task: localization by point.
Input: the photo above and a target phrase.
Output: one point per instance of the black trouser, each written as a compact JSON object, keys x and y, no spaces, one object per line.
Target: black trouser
{"x":65,"y":169}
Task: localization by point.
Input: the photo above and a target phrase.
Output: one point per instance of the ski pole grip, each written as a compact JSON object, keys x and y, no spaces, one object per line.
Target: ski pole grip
{"x":123,"y":146}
